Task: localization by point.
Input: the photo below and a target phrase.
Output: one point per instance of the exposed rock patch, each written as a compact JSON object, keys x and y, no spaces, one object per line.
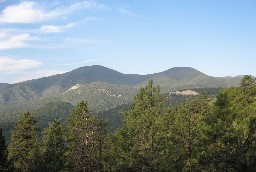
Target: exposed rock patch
{"x":186,"y":93}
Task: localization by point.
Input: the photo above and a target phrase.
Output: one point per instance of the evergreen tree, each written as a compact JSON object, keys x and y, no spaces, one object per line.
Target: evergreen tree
{"x":3,"y":151}
{"x":84,"y":140}
{"x":53,"y":148}
{"x":23,"y":148}
{"x":230,"y":131}
{"x":140,"y":145}
{"x":185,"y":131}
{"x":247,"y":82}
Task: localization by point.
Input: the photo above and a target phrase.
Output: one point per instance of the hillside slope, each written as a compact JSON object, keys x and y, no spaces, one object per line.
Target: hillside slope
{"x":103,"y":87}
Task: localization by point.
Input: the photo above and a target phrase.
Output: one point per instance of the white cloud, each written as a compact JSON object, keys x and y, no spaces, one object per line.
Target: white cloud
{"x":10,"y":65}
{"x":25,"y":12}
{"x":3,"y":35}
{"x":47,"y":28}
{"x":87,"y":5}
{"x":127,"y":12}
{"x":42,"y":30}
{"x":32,"y":12}
{"x":55,"y":29}
{"x":24,"y":76}
{"x":8,"y":41}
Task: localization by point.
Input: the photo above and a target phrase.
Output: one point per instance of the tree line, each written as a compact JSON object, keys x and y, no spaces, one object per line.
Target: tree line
{"x":201,"y":134}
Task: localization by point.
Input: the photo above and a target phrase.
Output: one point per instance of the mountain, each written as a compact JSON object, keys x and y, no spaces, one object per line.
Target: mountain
{"x":4,"y":85}
{"x":85,"y":75}
{"x":106,"y":90}
{"x":102,"y":87}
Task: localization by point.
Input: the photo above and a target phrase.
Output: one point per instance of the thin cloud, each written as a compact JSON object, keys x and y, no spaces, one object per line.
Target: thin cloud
{"x":10,"y":65}
{"x":8,"y":41}
{"x":32,"y":12}
{"x":55,"y":29}
{"x":48,"y":28}
{"x":86,"y":5}
{"x":127,"y":12}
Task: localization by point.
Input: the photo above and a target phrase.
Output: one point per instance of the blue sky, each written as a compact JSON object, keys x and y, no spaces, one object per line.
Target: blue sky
{"x":46,"y":37}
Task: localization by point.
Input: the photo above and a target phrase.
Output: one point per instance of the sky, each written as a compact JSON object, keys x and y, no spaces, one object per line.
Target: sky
{"x":40,"y":38}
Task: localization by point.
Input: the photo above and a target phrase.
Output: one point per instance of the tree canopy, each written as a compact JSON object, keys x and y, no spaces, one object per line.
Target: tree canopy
{"x":201,"y":134}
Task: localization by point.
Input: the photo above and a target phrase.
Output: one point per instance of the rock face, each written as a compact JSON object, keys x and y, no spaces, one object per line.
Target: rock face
{"x":186,"y":93}
{"x":75,"y":87}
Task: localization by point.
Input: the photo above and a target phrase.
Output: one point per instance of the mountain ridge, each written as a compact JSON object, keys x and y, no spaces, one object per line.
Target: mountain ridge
{"x":104,"y":87}
{"x":88,"y":75}
{"x":93,"y":67}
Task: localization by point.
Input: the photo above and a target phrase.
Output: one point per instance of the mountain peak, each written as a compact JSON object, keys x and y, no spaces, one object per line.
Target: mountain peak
{"x":182,"y":69}
{"x":85,"y":78}
{"x":182,"y":73}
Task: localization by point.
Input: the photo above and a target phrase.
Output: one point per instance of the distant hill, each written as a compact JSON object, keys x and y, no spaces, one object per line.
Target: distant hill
{"x":44,"y":113}
{"x":85,"y":75}
{"x":4,"y":86}
{"x":106,"y":90}
{"x":102,"y":87}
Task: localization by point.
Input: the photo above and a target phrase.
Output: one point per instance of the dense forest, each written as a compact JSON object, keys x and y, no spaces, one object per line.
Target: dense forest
{"x":200,"y":134}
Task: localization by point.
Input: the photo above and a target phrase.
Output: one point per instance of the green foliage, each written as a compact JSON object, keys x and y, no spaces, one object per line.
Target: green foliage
{"x":104,"y":89}
{"x":91,"y":77}
{"x":3,"y":152}
{"x":114,"y":117}
{"x":229,"y":132}
{"x":54,"y":147}
{"x":44,"y":112}
{"x":247,"y":82}
{"x":138,"y":142}
{"x":185,"y":131}
{"x":85,"y":139}
{"x":23,"y":148}
{"x":201,"y":133}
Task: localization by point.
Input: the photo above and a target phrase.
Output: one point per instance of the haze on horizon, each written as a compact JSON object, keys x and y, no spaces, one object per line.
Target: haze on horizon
{"x":42,"y":38}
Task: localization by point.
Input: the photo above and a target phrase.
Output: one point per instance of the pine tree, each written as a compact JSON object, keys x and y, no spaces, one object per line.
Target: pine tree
{"x":84,"y":140}
{"x":140,"y":143}
{"x":247,"y":82}
{"x":3,"y":151}
{"x":53,"y":148}
{"x":230,"y":130}
{"x":188,"y":120}
{"x":23,"y":148}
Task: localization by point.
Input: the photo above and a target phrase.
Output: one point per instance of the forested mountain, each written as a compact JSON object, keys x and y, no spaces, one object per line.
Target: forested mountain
{"x":202,"y":133}
{"x":4,"y":85}
{"x":84,"y":81}
{"x":104,"y":89}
